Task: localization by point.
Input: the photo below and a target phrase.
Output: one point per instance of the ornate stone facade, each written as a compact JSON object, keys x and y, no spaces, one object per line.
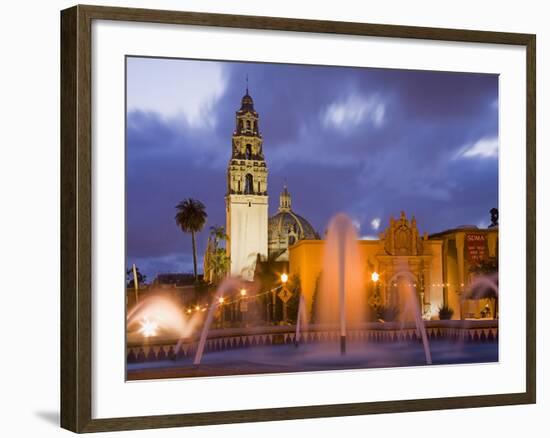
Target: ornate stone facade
{"x":407,"y":261}
{"x":402,"y":238}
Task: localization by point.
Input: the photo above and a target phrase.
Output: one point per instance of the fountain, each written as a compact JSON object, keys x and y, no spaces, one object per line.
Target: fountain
{"x":484,"y":287}
{"x":340,"y":307}
{"x":301,"y":320}
{"x":226,"y":285}
{"x":342,"y":296}
{"x":158,"y":315}
{"x":411,"y":308}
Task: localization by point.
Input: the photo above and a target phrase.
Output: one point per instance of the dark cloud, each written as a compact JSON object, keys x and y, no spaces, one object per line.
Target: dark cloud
{"x":369,"y":142}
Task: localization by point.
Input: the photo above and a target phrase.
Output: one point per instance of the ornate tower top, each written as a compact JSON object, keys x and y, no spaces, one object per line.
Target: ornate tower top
{"x":247,"y":104}
{"x":285,"y":201}
{"x":247,"y":117}
{"x":247,"y":171}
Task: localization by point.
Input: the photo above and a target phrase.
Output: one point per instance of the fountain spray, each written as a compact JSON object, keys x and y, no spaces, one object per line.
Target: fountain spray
{"x":342,"y":291}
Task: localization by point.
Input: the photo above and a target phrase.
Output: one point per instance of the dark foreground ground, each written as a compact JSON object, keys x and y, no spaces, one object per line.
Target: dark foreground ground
{"x":317,"y":357}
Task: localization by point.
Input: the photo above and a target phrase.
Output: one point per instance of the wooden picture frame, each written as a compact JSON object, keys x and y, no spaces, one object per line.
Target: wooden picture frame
{"x":76,"y":217}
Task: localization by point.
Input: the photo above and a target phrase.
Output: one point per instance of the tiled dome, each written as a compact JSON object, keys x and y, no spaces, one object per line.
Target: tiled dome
{"x":289,"y":223}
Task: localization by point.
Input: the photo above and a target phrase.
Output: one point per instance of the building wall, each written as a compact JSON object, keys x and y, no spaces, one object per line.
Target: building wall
{"x":434,"y":283}
{"x":451,"y":279}
{"x":306,"y":261}
{"x":456,"y":273}
{"x":247,"y":217}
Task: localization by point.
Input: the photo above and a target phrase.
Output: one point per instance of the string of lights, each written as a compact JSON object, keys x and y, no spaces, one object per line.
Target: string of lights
{"x":242,"y":296}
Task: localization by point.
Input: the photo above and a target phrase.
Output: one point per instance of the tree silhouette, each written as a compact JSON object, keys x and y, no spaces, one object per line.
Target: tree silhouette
{"x":191,"y":217}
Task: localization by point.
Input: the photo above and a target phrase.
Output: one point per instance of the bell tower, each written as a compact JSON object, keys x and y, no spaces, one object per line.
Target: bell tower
{"x":246,"y":199}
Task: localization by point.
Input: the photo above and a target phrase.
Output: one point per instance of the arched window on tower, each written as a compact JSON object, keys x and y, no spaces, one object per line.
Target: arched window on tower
{"x":255,"y":126}
{"x":249,"y":185}
{"x":248,"y":126}
{"x":248,"y":152}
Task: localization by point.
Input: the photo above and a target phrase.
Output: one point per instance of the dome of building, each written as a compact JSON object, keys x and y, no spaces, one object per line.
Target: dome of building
{"x":286,"y":228}
{"x":288,"y":222}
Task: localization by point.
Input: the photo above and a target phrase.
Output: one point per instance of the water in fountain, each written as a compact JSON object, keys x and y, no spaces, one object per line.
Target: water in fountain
{"x":342,"y":297}
{"x":301,"y":320}
{"x":227,"y":285}
{"x":340,"y":303}
{"x":484,"y":287}
{"x":411,"y":310}
{"x":163,"y":315}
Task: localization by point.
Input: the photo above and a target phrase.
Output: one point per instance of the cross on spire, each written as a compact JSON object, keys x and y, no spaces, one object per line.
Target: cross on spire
{"x":247,"y":83}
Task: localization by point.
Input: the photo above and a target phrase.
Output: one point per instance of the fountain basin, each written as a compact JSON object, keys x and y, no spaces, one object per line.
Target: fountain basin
{"x":310,"y":357}
{"x":249,"y":350}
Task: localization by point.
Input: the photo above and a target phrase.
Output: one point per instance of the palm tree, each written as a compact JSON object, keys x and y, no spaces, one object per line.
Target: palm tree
{"x":220,"y":263}
{"x":218,"y":234}
{"x":191,"y":217}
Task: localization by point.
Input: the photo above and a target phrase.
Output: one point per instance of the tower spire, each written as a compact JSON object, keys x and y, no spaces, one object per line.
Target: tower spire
{"x":247,"y":83}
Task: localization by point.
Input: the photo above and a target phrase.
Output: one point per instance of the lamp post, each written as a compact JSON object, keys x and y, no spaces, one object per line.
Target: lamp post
{"x":221,"y":300}
{"x":284,"y":280}
{"x":136,"y":283}
{"x":243,"y":306}
{"x":376,"y":300}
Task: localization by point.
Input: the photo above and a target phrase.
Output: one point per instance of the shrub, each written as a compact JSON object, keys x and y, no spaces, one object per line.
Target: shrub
{"x":445,"y":312}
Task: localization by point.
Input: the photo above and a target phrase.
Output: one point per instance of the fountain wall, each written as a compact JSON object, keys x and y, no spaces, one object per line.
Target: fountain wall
{"x":218,"y":340}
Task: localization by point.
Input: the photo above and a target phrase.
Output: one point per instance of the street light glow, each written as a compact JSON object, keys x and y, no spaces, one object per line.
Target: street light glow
{"x":148,"y":328}
{"x":284,"y":278}
{"x":243,"y":292}
{"x":375,"y":276}
{"x":221,"y":300}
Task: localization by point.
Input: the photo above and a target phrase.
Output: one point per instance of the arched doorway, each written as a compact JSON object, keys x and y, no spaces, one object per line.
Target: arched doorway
{"x":402,"y":288}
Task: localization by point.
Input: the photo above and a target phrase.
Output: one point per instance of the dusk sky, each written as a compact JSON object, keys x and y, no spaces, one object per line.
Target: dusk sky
{"x":367,"y":142}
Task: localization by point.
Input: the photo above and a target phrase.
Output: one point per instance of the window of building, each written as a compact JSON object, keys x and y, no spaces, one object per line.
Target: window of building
{"x":248,"y":152}
{"x":249,"y":185}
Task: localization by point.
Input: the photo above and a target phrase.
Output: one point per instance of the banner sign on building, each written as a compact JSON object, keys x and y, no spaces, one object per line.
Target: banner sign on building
{"x":476,"y":247}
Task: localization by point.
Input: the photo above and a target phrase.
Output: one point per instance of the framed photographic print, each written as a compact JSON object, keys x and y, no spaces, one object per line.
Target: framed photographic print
{"x":304,"y":218}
